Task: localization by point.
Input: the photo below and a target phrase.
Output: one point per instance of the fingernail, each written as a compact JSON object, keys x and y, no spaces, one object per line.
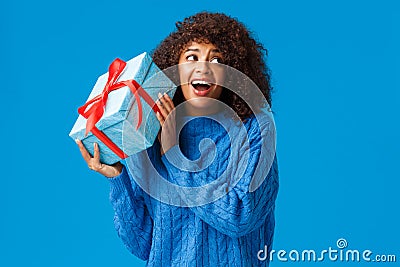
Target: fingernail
{"x":77,"y":141}
{"x":159,"y":94}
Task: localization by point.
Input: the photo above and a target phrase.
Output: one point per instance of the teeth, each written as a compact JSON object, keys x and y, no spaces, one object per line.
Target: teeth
{"x":198,"y":82}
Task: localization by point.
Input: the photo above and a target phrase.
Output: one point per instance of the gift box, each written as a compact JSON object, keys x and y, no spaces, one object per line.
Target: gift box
{"x":119,"y":114}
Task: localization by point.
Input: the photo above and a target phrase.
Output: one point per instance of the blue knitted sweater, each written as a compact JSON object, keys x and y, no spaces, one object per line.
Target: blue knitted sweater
{"x":229,"y":231}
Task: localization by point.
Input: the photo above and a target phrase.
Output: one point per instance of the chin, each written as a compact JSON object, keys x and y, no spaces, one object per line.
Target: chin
{"x":201,"y":102}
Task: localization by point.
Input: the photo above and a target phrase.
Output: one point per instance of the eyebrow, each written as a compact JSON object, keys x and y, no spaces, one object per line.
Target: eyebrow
{"x":198,"y":50}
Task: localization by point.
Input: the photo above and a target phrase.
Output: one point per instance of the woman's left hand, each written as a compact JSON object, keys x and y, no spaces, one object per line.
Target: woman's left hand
{"x":167,"y":121}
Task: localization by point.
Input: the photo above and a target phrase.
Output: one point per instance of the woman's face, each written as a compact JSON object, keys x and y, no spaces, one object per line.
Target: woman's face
{"x":201,"y":75}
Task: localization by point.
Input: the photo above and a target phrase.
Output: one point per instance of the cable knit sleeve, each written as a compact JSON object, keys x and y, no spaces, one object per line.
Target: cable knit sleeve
{"x":239,"y":211}
{"x":132,"y":219}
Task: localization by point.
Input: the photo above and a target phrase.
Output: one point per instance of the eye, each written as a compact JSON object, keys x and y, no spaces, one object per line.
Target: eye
{"x":191,"y":58}
{"x":216,"y":60}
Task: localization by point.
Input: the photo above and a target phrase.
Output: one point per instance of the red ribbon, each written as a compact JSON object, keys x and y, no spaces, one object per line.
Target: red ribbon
{"x":98,"y":103}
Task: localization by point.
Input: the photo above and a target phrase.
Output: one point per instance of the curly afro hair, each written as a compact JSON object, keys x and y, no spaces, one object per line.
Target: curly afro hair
{"x":239,"y":49}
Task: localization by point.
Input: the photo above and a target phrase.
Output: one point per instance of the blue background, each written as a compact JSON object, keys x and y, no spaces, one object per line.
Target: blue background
{"x":335,"y":68}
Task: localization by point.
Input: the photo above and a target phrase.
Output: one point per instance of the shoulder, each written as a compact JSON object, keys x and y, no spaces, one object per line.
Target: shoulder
{"x":260,"y":122}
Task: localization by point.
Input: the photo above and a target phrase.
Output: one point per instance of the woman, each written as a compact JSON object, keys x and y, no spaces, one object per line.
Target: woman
{"x":228,"y":223}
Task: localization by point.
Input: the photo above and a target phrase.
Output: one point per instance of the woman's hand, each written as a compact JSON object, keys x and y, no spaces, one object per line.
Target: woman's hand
{"x":95,"y":164}
{"x":167,"y":120}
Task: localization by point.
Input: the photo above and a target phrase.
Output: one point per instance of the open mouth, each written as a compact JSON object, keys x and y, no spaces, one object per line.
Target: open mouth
{"x":201,"y":87}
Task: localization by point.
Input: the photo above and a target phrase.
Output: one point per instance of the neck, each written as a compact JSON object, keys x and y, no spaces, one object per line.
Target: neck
{"x":194,"y":111}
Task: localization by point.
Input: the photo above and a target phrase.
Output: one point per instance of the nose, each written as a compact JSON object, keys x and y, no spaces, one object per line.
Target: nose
{"x":202,"y":67}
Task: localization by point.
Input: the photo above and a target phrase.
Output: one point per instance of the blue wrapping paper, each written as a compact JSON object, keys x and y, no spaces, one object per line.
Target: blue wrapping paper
{"x":120,"y":116}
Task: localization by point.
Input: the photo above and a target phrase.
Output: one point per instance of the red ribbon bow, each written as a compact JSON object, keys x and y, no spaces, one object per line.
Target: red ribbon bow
{"x":98,"y":103}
